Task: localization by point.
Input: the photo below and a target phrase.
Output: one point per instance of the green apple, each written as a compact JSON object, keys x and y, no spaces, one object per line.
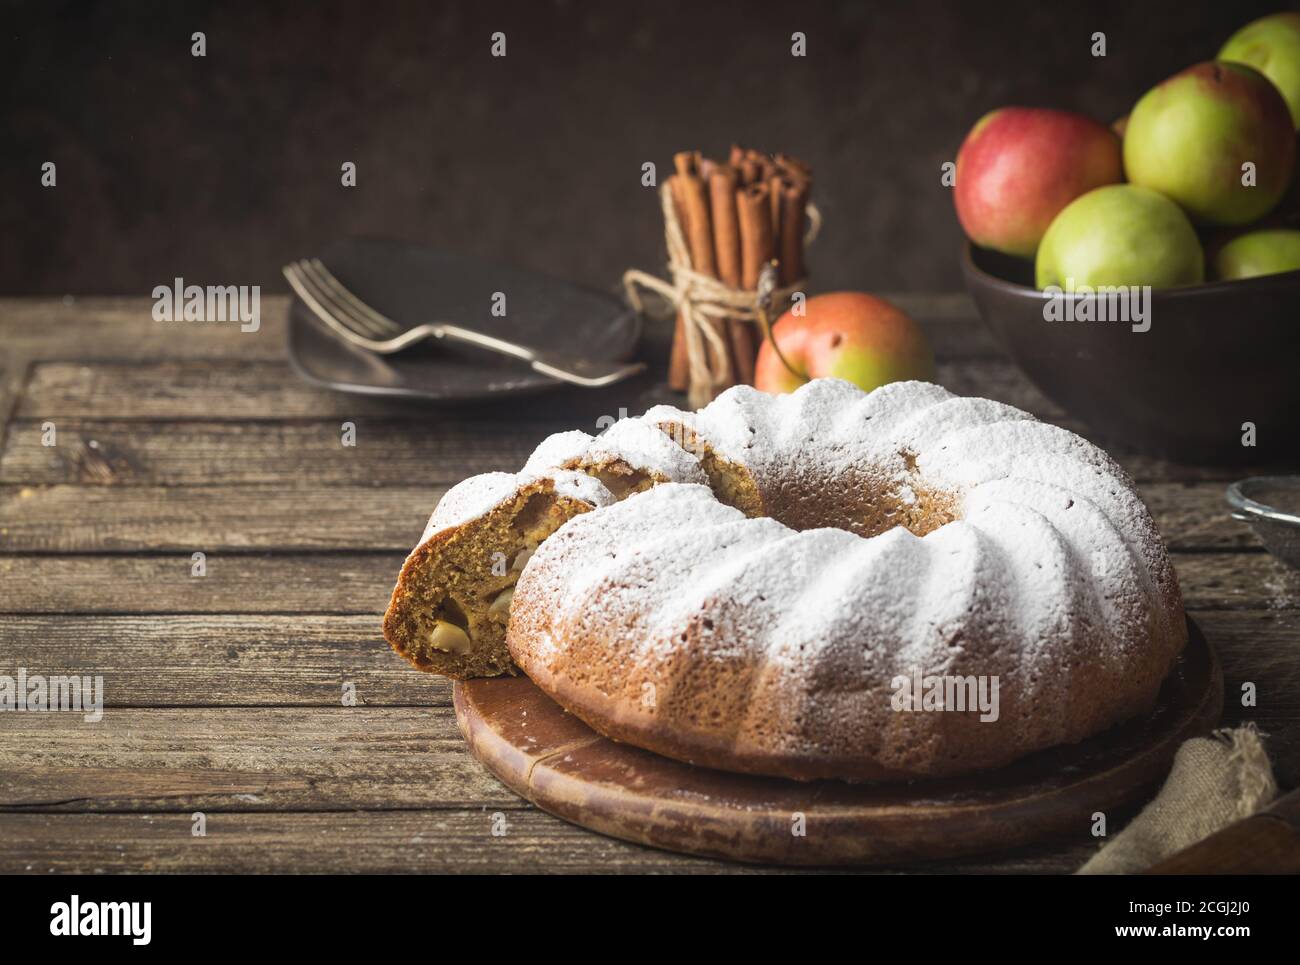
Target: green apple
{"x":1287,"y":211}
{"x":1272,"y":46}
{"x":1120,"y":235}
{"x":1259,"y":253}
{"x":1217,"y":138}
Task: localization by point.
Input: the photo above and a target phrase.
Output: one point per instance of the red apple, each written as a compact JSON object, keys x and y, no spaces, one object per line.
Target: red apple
{"x":845,"y":335}
{"x":1019,"y":166}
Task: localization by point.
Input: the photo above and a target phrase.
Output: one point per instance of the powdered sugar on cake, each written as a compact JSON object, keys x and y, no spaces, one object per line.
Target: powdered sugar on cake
{"x":643,"y":446}
{"x":1051,"y":575}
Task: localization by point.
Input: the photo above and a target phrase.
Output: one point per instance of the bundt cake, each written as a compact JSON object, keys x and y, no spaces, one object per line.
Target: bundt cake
{"x":758,"y":594}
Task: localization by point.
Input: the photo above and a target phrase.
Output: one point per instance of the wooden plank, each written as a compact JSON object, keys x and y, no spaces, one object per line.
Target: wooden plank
{"x":122,"y":327}
{"x":342,"y":583}
{"x":86,"y":519}
{"x":265,"y":659}
{"x":182,"y":759}
{"x":959,"y":337}
{"x":212,"y":518}
{"x":223,"y":660}
{"x":214,"y":424}
{"x":448,"y":841}
{"x":191,"y":389}
{"x":286,"y":453}
{"x":1145,"y":469}
{"x":1260,"y":647}
{"x":237,"y":389}
{"x":293,"y":453}
{"x":955,"y":306}
{"x":1000,"y":380}
{"x":387,"y":452}
{"x":338,"y":583}
{"x":1226,"y":581}
{"x":1195,"y":516}
{"x":951,"y":324}
{"x":12,"y":374}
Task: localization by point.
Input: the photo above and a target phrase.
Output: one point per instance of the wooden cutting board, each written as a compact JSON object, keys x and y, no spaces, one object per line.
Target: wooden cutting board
{"x":560,"y":764}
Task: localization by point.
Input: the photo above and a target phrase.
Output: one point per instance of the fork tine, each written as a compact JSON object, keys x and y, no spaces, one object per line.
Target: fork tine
{"x":310,"y":295}
{"x":380,"y":322}
{"x":329,"y":301}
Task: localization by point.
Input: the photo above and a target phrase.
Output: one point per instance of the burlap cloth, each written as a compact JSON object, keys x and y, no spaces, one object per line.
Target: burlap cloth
{"x":1214,"y":782}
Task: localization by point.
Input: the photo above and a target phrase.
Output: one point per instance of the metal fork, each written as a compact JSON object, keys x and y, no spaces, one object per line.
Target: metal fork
{"x":357,"y":323}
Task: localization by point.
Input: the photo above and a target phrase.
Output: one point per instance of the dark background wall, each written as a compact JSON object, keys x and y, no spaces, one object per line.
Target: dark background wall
{"x":220,"y":169}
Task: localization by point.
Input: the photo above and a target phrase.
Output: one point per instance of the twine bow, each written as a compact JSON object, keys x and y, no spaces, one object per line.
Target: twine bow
{"x":705,"y":303}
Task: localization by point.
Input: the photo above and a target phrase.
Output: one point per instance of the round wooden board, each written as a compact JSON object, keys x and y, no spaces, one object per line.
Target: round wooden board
{"x":560,"y":764}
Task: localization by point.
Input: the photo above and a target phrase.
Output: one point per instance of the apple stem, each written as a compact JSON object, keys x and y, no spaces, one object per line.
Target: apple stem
{"x":766,"y":286}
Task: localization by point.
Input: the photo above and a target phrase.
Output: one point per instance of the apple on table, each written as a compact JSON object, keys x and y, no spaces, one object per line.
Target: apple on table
{"x":847,"y":335}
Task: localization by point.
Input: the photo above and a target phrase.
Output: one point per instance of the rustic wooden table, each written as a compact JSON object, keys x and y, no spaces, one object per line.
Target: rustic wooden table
{"x":225,"y":693}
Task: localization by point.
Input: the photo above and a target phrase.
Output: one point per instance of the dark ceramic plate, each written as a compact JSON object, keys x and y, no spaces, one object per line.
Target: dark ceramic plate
{"x":411,"y":284}
{"x":1216,"y":356}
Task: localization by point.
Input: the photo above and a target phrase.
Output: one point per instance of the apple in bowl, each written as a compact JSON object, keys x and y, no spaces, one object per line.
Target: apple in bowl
{"x":1120,"y":235}
{"x":1019,"y":166}
{"x":846,"y":335}
{"x":1217,"y":138}
{"x":1270,"y":251}
{"x":1272,"y":46}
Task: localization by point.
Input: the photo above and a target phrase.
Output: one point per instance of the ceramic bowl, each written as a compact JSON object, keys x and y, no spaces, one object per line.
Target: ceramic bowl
{"x":1215,"y":357}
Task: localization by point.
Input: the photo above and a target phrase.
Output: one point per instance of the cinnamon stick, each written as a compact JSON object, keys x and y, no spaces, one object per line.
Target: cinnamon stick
{"x":726,"y":228}
{"x":754,"y":212}
{"x":793,"y":168}
{"x":792,"y":200}
{"x":765,"y":167}
{"x":752,"y":165}
{"x":698,"y":226}
{"x":726,"y":242}
{"x":774,"y":197}
{"x":679,"y":361}
{"x":699,"y":239}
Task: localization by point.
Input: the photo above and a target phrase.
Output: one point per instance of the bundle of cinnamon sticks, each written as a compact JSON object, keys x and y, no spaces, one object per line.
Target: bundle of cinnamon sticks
{"x":737,"y":216}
